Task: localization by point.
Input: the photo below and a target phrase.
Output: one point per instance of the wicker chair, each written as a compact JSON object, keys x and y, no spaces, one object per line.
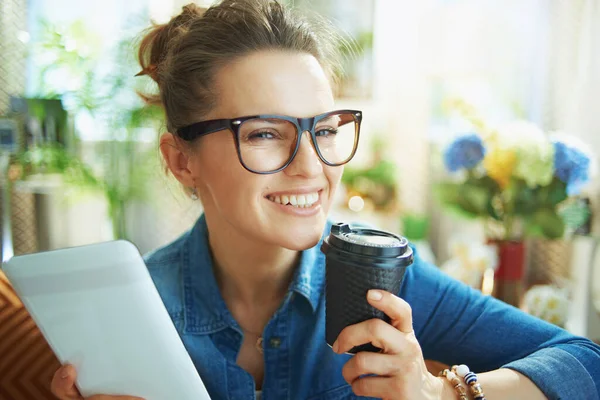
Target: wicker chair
{"x":27,"y":363}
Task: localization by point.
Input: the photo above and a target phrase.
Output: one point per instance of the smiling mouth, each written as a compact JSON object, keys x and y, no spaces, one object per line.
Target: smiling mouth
{"x":305,"y":200}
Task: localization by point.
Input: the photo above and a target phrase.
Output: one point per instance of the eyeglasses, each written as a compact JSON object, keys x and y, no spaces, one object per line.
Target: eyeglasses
{"x":266,"y":144}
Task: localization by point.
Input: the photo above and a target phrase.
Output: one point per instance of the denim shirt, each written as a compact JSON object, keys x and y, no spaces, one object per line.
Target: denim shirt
{"x":453,"y":323}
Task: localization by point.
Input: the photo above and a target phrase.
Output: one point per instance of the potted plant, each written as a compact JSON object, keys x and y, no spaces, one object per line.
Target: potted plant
{"x":521,"y":182}
{"x":105,"y":94}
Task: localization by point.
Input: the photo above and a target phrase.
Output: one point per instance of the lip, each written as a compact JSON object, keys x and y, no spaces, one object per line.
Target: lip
{"x":304,"y":190}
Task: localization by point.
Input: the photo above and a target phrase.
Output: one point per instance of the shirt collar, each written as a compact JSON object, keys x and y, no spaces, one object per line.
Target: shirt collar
{"x":309,"y":279}
{"x":205,"y":310}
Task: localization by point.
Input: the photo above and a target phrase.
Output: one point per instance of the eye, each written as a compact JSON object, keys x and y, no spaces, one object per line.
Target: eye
{"x":326,"y":132}
{"x":261,"y":135}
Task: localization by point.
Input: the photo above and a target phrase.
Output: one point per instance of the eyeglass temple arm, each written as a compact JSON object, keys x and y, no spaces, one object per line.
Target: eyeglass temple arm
{"x":198,"y":129}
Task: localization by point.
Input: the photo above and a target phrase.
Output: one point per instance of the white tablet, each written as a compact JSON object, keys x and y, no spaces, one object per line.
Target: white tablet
{"x":99,"y":310}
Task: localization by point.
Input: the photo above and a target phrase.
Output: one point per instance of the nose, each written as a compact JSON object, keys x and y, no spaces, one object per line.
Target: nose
{"x":306,"y":162}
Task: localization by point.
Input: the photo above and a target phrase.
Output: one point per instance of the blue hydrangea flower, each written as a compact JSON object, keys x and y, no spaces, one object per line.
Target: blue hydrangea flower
{"x":572,"y":166}
{"x":464,"y":152}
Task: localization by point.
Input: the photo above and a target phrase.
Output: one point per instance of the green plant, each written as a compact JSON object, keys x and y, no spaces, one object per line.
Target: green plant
{"x":515,"y":176}
{"x":122,"y":169}
{"x":52,"y":158}
{"x":415,"y":227}
{"x":378,"y":181}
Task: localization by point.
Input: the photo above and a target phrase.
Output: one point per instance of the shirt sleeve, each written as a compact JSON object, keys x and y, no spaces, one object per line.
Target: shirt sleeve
{"x":456,"y":324}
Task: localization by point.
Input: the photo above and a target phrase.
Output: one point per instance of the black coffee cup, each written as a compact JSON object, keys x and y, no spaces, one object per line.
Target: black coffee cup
{"x":358,"y":260}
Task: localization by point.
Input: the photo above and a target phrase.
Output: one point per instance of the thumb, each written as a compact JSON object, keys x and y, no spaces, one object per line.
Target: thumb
{"x":63,"y":383}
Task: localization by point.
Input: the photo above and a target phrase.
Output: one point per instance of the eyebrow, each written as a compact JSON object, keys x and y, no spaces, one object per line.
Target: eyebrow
{"x":276,"y":121}
{"x":272,"y":121}
{"x":330,"y":118}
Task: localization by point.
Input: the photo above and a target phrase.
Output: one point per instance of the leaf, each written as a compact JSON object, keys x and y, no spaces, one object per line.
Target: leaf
{"x":474,"y":198}
{"x":525,"y":201}
{"x":558,"y":192}
{"x":492,"y":212}
{"x":574,"y":214}
{"x":52,"y":159}
{"x":446,"y":192}
{"x":484,"y":181}
{"x":553,"y":194}
{"x":549,"y":223}
{"x":486,"y":188}
{"x":459,"y":212}
{"x":465,"y":200}
{"x":415,"y":226}
{"x":532,"y":229}
{"x":384,"y":173}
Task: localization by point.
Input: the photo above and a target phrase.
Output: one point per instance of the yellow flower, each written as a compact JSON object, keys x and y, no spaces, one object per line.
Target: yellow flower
{"x":499,"y":164}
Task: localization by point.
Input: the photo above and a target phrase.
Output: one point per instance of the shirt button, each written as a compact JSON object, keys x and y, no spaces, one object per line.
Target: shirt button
{"x":275,"y":342}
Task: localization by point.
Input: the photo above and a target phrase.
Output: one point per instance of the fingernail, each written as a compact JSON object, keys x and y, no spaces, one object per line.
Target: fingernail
{"x":335,"y":346}
{"x":64,"y":375}
{"x":374,"y":295}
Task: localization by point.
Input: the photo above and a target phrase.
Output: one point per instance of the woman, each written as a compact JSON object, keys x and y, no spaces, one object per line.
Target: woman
{"x":244,"y":287}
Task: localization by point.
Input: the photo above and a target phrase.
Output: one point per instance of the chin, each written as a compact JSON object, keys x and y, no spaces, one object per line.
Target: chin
{"x":300,"y":238}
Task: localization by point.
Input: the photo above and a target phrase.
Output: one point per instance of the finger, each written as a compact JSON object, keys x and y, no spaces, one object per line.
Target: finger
{"x":107,"y":397}
{"x":394,"y":307}
{"x":375,"y":386}
{"x":374,"y":331}
{"x":63,"y":383}
{"x":365,"y":363}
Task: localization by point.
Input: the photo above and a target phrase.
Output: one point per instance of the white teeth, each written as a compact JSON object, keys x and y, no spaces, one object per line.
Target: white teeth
{"x":296,"y":200}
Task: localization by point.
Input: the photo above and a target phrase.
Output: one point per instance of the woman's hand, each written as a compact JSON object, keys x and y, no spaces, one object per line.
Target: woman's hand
{"x":400,"y":367}
{"x":63,"y":387}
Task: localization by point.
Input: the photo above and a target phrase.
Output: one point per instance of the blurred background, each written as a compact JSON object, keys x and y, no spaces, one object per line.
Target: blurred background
{"x":462,"y":101}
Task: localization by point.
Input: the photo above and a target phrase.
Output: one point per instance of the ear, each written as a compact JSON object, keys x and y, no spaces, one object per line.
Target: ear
{"x":177,"y":159}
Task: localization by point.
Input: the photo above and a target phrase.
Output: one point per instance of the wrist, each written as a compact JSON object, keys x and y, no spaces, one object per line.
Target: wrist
{"x":448,"y":392}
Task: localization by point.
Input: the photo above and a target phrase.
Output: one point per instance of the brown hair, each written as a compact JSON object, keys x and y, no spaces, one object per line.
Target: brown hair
{"x":183,"y":55}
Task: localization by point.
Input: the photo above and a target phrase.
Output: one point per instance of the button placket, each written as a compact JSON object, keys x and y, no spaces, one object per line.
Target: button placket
{"x":275,"y":342}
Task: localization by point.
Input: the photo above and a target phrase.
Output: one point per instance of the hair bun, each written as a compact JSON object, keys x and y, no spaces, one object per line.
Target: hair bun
{"x":155,"y":45}
{"x":193,"y":10}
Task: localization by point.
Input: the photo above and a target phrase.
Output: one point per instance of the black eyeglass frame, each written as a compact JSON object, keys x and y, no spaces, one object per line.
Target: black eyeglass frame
{"x":199,"y":129}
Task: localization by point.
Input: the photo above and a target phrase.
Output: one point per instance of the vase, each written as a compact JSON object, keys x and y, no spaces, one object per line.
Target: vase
{"x":549,"y":262}
{"x":509,"y":285}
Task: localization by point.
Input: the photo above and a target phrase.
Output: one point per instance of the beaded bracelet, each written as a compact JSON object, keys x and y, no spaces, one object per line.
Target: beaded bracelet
{"x":470,"y":379}
{"x":455,"y":381}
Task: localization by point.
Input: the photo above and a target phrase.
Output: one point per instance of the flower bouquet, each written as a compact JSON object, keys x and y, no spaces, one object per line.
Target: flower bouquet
{"x":518,"y":177}
{"x":520,"y":181}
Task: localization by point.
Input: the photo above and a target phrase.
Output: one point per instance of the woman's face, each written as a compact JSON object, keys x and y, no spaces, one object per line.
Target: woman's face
{"x":278,"y":83}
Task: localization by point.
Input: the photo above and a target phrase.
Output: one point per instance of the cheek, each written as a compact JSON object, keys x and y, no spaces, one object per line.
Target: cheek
{"x":226,"y":183}
{"x":217,"y":149}
{"x":223,"y":183}
{"x":334,"y":175}
{"x":216,"y":168}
